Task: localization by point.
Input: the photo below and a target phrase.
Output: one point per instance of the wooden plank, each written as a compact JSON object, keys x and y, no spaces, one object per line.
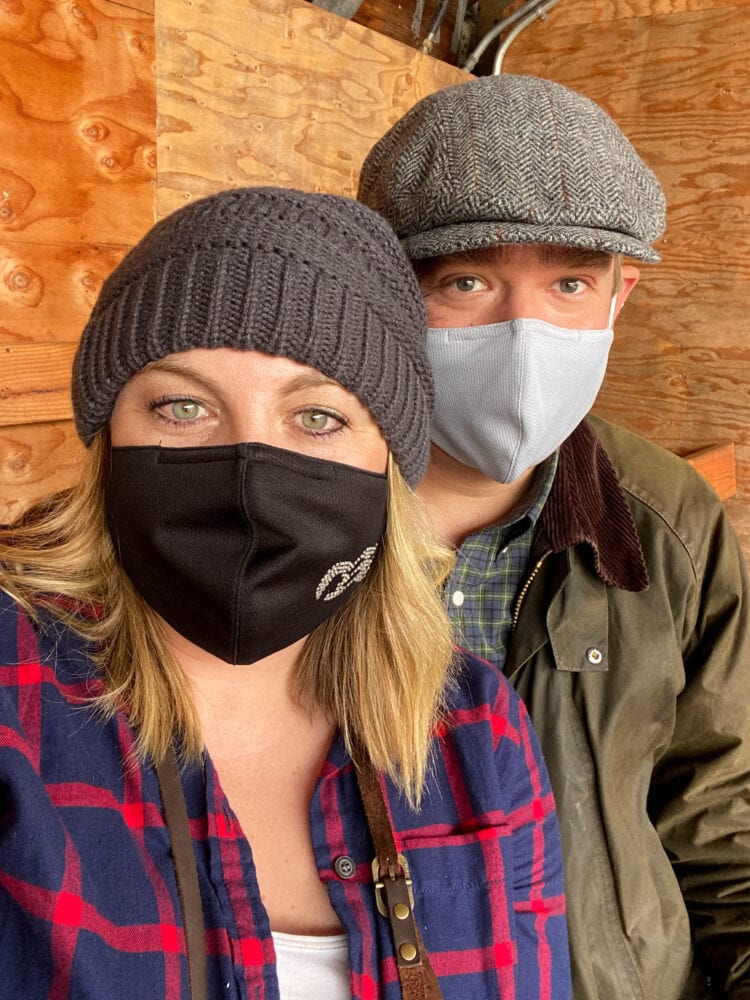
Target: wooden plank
{"x":604,"y":11}
{"x":739,"y":515}
{"x":47,"y":292}
{"x":76,"y":88}
{"x":275,"y":92}
{"x":35,"y":462}
{"x":142,"y":6}
{"x":718,"y":465}
{"x":35,"y":383}
{"x":394,"y":19}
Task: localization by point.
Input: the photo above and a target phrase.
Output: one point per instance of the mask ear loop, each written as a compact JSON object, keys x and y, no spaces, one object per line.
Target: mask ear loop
{"x":612,"y":305}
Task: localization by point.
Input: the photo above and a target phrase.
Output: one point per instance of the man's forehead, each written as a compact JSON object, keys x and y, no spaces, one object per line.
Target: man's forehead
{"x":546,"y":254}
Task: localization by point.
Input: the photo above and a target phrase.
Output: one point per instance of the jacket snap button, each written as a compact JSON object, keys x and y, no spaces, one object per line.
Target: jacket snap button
{"x":594,"y":656}
{"x":344,"y":866}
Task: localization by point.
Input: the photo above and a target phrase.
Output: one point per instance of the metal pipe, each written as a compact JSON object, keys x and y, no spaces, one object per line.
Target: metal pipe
{"x":485,"y":42}
{"x":437,"y":19}
{"x":540,"y":12}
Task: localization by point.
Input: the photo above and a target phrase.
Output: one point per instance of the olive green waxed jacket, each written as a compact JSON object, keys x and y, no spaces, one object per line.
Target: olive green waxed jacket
{"x":631,"y":650}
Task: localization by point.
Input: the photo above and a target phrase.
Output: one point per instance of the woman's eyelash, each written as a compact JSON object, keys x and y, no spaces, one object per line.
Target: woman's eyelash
{"x":154,"y":404}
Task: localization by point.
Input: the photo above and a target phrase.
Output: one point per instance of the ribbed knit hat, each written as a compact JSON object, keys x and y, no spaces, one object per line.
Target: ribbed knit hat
{"x":512,"y":159}
{"x":316,"y":278}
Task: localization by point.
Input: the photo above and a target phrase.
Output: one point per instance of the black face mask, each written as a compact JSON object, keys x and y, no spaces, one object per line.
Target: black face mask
{"x":242,"y":549}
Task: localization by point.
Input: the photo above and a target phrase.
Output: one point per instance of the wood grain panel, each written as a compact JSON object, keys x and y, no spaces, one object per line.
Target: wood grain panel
{"x":583,"y":11}
{"x":35,"y":383}
{"x":394,"y":19}
{"x":718,"y":464}
{"x":77,"y":173}
{"x":275,"y":92}
{"x":34,"y":462}
{"x":143,"y":6}
{"x":679,"y":371}
{"x":739,"y":515}
{"x":47,"y":292}
{"x":77,"y":116}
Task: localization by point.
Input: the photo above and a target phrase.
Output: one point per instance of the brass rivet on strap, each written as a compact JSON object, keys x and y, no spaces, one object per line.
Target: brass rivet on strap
{"x":407,"y":951}
{"x":400,"y":911}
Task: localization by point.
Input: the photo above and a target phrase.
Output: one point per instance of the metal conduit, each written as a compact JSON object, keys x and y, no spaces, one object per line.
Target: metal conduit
{"x":540,"y":12}
{"x":531,"y":7}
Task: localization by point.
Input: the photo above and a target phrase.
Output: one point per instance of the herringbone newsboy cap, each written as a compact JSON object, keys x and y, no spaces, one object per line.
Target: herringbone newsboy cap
{"x":512,"y":159}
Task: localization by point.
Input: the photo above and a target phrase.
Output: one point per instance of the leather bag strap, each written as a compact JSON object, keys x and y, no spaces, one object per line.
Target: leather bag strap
{"x":394,"y":894}
{"x":390,"y":871}
{"x":186,"y":872}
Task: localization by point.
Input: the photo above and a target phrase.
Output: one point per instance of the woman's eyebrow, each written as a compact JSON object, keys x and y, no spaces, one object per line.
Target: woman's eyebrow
{"x":181,"y":369}
{"x":311,"y":380}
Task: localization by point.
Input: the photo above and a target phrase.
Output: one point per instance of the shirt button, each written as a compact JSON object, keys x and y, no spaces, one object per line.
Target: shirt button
{"x":457,"y":597}
{"x":594,"y":656}
{"x":344,"y":866}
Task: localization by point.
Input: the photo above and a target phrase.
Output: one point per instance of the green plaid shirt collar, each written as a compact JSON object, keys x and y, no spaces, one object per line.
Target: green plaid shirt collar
{"x":490,"y":564}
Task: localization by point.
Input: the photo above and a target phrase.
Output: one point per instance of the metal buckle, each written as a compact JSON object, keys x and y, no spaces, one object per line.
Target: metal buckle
{"x":380,"y":884}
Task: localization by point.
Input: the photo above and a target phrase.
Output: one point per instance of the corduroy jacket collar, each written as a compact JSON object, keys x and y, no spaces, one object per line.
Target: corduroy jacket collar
{"x":587,"y":505}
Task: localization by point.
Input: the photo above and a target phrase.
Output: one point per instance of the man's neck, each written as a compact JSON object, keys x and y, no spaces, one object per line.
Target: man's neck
{"x":461,"y":500}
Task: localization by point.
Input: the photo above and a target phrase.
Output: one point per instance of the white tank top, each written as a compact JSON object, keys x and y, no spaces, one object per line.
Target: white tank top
{"x":312,"y":967}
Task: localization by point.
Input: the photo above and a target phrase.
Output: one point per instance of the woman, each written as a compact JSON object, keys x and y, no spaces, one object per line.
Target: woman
{"x":241,"y":581}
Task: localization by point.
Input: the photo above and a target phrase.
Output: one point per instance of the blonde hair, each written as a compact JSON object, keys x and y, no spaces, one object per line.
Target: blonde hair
{"x":379,"y":668}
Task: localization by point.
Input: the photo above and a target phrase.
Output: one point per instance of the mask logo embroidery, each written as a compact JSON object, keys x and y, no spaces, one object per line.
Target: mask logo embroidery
{"x":347,"y":573}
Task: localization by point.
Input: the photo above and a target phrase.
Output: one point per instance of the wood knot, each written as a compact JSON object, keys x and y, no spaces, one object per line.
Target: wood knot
{"x":94,"y":131}
{"x":19,"y":280}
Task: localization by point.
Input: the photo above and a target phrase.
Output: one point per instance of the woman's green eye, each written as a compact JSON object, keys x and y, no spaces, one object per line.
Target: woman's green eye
{"x":314,"y":420}
{"x":184,"y":409}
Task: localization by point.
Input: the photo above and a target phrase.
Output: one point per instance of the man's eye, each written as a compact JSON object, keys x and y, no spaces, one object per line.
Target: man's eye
{"x":467,"y":283}
{"x":571,"y":286}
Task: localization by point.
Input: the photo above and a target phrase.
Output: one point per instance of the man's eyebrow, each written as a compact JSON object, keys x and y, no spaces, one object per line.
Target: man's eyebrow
{"x":575,"y":257}
{"x":549,"y":255}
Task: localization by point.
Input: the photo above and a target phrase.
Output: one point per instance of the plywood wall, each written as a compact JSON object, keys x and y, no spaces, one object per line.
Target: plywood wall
{"x":674,"y":74}
{"x":275,"y":92}
{"x":249,"y":93}
{"x":281,"y":92}
{"x":77,"y":170}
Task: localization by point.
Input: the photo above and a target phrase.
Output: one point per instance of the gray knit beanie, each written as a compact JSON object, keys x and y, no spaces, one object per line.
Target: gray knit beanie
{"x":316,"y":278}
{"x":512,"y":159}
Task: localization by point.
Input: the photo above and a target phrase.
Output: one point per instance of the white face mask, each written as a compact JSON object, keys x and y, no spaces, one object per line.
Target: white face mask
{"x":508,"y":394}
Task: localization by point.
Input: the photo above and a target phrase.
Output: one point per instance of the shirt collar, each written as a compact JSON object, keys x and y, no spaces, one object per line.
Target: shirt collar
{"x":482,"y":548}
{"x":587,"y":505}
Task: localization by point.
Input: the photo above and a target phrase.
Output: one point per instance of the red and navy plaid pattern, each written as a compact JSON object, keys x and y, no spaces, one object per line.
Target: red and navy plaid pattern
{"x":88,"y":897}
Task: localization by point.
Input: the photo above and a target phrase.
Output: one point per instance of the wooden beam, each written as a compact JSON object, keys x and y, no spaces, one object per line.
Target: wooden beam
{"x":35,"y":383}
{"x":717,"y":464}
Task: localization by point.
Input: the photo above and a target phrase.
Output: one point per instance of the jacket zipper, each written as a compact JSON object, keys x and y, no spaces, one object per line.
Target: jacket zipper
{"x":524,"y":591}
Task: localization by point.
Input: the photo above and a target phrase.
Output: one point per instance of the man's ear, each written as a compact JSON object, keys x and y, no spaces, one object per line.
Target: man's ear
{"x":629,"y":275}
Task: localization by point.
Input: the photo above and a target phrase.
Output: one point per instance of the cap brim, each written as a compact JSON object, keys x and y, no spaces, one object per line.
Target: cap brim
{"x":463,"y":236}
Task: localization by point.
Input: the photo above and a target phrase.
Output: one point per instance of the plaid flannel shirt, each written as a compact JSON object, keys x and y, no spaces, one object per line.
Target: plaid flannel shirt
{"x":490,"y":564}
{"x":88,"y":899}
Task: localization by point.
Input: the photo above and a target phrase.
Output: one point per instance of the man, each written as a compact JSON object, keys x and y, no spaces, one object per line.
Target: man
{"x":596,"y":570}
